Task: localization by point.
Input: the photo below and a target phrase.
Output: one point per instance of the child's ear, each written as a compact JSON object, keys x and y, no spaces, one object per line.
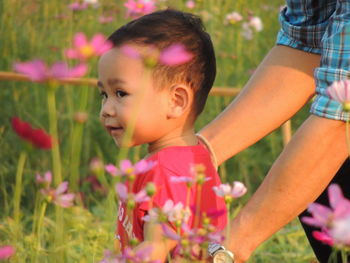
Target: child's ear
{"x":180,"y":101}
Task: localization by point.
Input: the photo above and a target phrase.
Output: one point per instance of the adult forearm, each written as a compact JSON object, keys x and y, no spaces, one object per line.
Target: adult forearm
{"x":298,"y":176}
{"x":281,"y":85}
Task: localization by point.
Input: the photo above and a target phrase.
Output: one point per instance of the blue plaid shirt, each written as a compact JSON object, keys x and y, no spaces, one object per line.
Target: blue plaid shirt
{"x":321,"y":27}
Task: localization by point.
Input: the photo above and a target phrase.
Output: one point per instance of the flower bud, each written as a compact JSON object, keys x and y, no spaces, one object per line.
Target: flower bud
{"x":80,"y":117}
{"x":150,"y":189}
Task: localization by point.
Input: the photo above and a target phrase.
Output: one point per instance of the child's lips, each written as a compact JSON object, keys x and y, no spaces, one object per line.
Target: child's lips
{"x":114,"y":130}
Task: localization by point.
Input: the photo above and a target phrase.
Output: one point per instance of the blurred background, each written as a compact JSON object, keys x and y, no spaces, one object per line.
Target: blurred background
{"x":242,"y":32}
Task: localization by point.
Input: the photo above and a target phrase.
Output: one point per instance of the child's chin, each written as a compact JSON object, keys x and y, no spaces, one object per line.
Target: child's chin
{"x":123,"y":143}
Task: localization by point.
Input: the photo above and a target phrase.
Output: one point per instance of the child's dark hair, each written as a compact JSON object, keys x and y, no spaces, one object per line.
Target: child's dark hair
{"x":164,"y":28}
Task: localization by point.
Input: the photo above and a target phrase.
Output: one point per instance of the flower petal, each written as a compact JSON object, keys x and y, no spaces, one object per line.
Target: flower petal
{"x":122,"y":191}
{"x":174,"y":55}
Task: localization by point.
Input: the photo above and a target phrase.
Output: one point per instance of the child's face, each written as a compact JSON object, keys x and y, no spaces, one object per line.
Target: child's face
{"x":130,"y":98}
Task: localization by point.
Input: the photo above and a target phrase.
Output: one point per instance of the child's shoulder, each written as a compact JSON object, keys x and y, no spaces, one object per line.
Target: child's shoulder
{"x":179,"y":160}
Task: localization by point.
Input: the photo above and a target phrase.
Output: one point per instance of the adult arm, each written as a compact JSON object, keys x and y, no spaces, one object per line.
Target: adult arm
{"x":299,"y":175}
{"x":281,"y":85}
{"x":161,"y":246}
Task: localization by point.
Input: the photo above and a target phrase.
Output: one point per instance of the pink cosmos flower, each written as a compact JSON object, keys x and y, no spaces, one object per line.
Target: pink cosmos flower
{"x":76,"y":6}
{"x":183,"y":179}
{"x":84,"y":50}
{"x":128,"y":169}
{"x":38,"y":71}
{"x":105,"y":19}
{"x":229,"y":192}
{"x":45,"y":180}
{"x":139,"y":7}
{"x":340,"y":91}
{"x":137,"y":255}
{"x":194,"y":238}
{"x":122,"y":191}
{"x":335,"y":221}
{"x":169,"y":213}
{"x":59,"y":196}
{"x":190,"y":4}
{"x":174,"y":55}
{"x":233,"y":18}
{"x":324,"y":237}
{"x":6,"y":252}
{"x":111,"y":169}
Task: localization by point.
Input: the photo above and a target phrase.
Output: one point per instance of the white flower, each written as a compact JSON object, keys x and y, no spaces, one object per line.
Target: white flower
{"x":229,"y":192}
{"x":247,"y":32}
{"x":233,"y":18}
{"x":256,"y":23}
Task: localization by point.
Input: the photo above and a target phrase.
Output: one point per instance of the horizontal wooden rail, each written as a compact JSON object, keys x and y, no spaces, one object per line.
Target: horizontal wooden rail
{"x":215,"y":91}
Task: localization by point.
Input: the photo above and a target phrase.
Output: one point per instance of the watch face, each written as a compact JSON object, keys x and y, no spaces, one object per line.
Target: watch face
{"x":222,"y":257}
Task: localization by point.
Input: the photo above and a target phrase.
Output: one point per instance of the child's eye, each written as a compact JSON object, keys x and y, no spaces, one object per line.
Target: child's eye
{"x":103,"y":94}
{"x":120,"y":93}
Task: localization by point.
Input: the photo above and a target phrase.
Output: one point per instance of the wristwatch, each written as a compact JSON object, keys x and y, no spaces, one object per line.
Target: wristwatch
{"x":220,"y":254}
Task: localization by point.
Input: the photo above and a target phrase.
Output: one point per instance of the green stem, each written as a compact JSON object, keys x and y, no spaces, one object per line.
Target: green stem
{"x":228,"y":227}
{"x":56,"y":159}
{"x":77,"y":141}
{"x":38,"y":232}
{"x":344,"y":256}
{"x":18,"y":186}
{"x":57,"y":168}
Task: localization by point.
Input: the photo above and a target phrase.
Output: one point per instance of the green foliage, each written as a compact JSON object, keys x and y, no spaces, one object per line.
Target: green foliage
{"x":43,"y":29}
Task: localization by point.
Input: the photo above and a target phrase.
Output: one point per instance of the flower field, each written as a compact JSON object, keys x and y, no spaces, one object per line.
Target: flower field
{"x":60,"y":170}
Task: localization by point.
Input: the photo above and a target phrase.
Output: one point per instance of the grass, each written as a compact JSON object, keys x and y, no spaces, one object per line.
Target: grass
{"x":43,"y":29}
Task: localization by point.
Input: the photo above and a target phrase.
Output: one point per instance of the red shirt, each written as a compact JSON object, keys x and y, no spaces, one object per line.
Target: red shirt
{"x":173,"y":161}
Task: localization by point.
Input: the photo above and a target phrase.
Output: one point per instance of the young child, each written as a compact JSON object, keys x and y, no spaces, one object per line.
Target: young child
{"x":166,"y":102}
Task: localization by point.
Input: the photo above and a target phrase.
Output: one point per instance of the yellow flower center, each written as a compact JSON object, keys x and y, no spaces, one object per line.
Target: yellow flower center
{"x":87,"y":51}
{"x":140,"y":5}
{"x":346,"y":106}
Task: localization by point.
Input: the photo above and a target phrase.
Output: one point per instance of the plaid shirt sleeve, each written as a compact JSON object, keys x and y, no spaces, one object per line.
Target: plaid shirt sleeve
{"x":320,"y":27}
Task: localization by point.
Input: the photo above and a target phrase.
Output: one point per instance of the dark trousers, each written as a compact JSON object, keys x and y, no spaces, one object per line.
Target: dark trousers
{"x":342,"y":178}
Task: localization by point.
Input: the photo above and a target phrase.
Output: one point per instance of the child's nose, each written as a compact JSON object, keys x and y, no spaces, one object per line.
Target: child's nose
{"x":108,"y":109}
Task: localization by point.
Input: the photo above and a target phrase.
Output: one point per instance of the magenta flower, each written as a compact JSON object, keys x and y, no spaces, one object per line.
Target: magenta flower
{"x":76,"y":6}
{"x":170,"y":212}
{"x":59,"y":196}
{"x":137,"y":255}
{"x":105,"y":19}
{"x":6,"y":252}
{"x":44,"y":180}
{"x":229,"y":192}
{"x":189,"y":239}
{"x":189,"y":181}
{"x":174,"y":55}
{"x":190,"y":4}
{"x":111,"y":169}
{"x":130,"y":51}
{"x":340,"y":91}
{"x":139,"y":7}
{"x":128,"y":169}
{"x":122,"y":191}
{"x":38,"y":71}
{"x":334,"y":222}
{"x":324,"y":237}
{"x":84,"y":50}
